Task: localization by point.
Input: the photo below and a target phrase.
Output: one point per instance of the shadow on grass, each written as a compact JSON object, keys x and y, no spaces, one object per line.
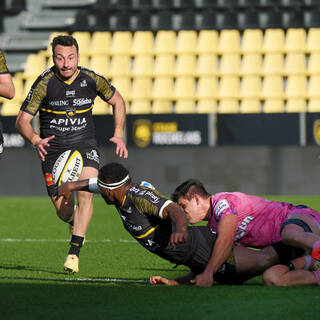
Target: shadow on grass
{"x":29,"y":268}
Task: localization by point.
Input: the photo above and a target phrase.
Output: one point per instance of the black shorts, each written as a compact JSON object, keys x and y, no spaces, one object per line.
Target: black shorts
{"x":90,"y":155}
{"x":195,"y":254}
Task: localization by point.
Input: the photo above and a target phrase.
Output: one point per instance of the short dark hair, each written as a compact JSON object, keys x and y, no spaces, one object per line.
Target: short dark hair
{"x":113,"y":172}
{"x":188,"y":189}
{"x":66,"y":41}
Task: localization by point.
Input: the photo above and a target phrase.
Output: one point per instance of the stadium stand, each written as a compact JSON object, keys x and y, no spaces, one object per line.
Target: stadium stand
{"x":219,"y":56}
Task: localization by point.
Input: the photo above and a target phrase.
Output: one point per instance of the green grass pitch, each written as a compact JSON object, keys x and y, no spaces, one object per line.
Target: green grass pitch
{"x":112,"y":282}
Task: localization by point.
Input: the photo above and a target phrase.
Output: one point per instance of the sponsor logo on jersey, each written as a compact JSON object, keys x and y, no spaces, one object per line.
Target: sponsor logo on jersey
{"x":81,"y":101}
{"x":241,"y":230}
{"x":147,"y":185}
{"x":155,"y":199}
{"x":93,"y":155}
{"x":220,"y":206}
{"x":83,"y":83}
{"x":71,"y":112}
{"x":69,"y":121}
{"x":71,"y":93}
{"x":59,"y":103}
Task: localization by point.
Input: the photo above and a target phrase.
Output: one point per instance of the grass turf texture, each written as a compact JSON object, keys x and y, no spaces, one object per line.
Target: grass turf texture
{"x":113,"y":269}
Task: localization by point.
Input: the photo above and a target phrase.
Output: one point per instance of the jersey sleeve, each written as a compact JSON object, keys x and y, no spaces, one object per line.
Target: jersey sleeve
{"x":36,"y":96}
{"x":150,"y":202}
{"x":225,"y":206}
{"x":3,"y":65}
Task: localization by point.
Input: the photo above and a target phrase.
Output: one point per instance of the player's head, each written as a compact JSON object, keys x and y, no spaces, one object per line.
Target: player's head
{"x":112,"y":177}
{"x":192,"y":196}
{"x":65,"y":54}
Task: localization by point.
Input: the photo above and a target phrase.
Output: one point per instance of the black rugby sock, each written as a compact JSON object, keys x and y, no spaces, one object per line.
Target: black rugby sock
{"x":76,"y":244}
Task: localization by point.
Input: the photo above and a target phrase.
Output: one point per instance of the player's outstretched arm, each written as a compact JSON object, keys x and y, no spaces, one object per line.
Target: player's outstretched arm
{"x":178,"y":217}
{"x":119,"y":113}
{"x":185,"y":280}
{"x":66,"y":189}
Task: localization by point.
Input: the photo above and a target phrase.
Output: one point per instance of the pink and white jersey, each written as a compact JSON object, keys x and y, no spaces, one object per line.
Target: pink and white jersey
{"x":259,"y":220}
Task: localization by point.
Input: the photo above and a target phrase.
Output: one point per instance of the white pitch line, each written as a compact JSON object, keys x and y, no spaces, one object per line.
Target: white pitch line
{"x":63,"y":240}
{"x":106,"y":280}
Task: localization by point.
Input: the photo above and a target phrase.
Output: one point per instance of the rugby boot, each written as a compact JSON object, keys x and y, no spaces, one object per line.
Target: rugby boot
{"x":72,"y":263}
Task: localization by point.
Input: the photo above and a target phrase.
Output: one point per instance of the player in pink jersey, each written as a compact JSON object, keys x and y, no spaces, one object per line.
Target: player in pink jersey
{"x":248,"y":220}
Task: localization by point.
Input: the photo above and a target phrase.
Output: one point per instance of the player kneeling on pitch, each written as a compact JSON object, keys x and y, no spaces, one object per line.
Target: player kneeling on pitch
{"x":160,"y":226}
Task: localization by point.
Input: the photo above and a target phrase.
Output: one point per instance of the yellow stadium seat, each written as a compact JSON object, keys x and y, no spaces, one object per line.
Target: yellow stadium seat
{"x":121,"y":43}
{"x":164,"y":65}
{"x":84,"y":41}
{"x":162,"y":106}
{"x":273,"y":64}
{"x":296,"y":40}
{"x":273,"y":106}
{"x":207,"y":42}
{"x":184,"y":88}
{"x":229,"y":87}
{"x":142,"y":43}
{"x":272,"y":87}
{"x":296,"y":87}
{"x":100,"y":43}
{"x":185,"y":65}
{"x":100,"y":64}
{"x":123,"y":85}
{"x":84,"y":61}
{"x":101,"y":107}
{"x":186,"y":41}
{"x":165,"y":42}
{"x":314,"y":105}
{"x":229,"y":64}
{"x":251,"y":64}
{"x":274,"y":41}
{"x":313,"y":40}
{"x":140,"y":107}
{"x":163,"y":88}
{"x":313,"y":87}
{"x":10,"y":107}
{"x":207,"y":106}
{"x":228,"y":106}
{"x":35,"y":65}
{"x":296,"y":105}
{"x":207,"y":65}
{"x":141,"y":89}
{"x":229,"y":41}
{"x":252,"y":41}
{"x":120,"y":66}
{"x":207,"y":88}
{"x":185,"y":106}
{"x":250,"y":106}
{"x":314,"y":63}
{"x":250,"y":88}
{"x":142,"y":66}
{"x":295,"y":64}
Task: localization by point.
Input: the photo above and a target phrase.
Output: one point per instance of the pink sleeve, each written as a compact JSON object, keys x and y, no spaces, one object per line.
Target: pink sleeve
{"x":226,"y":205}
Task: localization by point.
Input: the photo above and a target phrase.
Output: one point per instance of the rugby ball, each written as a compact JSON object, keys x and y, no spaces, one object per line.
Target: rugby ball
{"x":67,"y":167}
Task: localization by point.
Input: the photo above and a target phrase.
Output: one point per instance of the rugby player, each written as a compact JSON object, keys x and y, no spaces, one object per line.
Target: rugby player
{"x":247,"y":220}
{"x":160,"y":226}
{"x":6,"y":88}
{"x":64,"y":97}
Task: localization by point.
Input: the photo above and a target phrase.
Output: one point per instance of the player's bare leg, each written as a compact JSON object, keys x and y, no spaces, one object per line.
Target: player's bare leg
{"x":82,"y":217}
{"x":296,"y":236}
{"x":281,"y":275}
{"x":254,"y":261}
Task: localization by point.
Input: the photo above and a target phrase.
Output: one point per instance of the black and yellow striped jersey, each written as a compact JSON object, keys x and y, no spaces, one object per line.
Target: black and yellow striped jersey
{"x":141,"y":215}
{"x":3,"y":65}
{"x":65,"y":108}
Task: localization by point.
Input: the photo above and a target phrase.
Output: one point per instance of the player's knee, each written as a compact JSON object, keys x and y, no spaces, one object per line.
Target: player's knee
{"x":65,"y":214}
{"x":274,"y":276}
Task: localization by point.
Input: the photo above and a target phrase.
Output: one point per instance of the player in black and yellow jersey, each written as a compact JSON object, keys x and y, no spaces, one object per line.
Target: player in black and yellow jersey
{"x":64,"y":97}
{"x":160,"y":226}
{"x":6,"y":88}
